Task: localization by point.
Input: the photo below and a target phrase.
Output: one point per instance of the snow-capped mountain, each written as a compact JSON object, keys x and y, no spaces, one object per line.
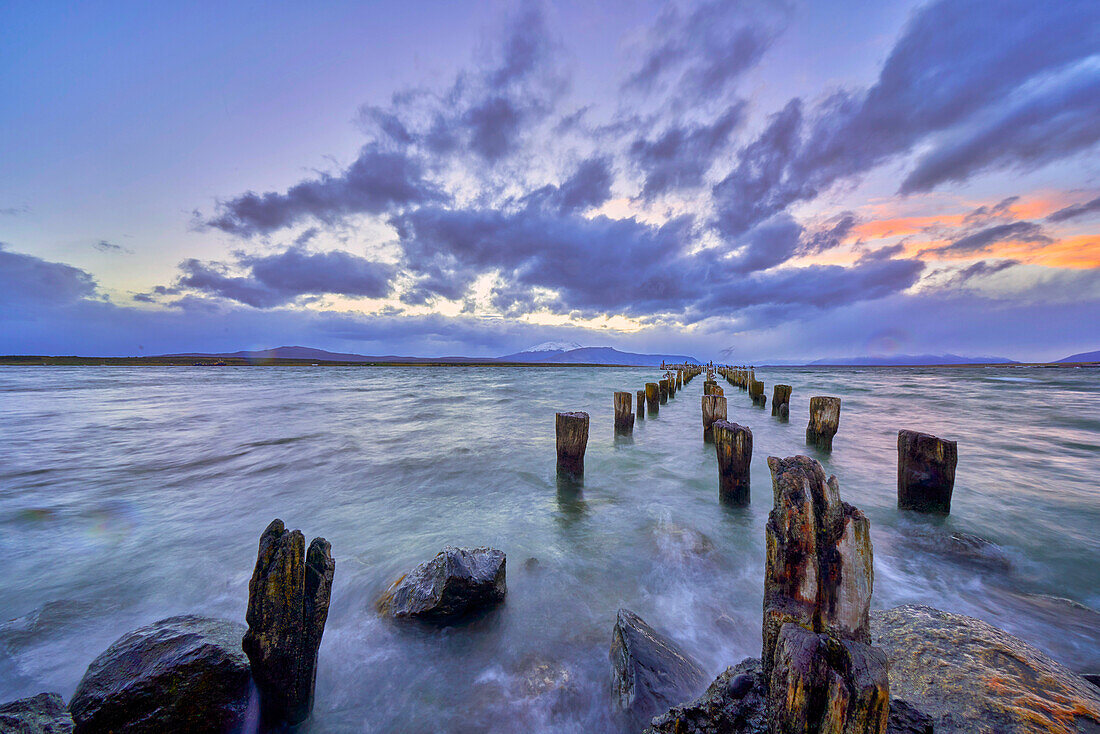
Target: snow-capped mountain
{"x":552,"y":347}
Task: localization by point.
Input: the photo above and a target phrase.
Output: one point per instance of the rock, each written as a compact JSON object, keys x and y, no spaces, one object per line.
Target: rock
{"x":649,"y":672}
{"x":532,"y":564}
{"x":926,"y":472}
{"x":1093,"y":678}
{"x":456,"y":582}
{"x":681,"y":544}
{"x":905,"y":718}
{"x":820,"y":683}
{"x":41,"y":714}
{"x":784,"y":412}
{"x":733,"y":704}
{"x":969,"y":676}
{"x":288,"y":599}
{"x":819,"y":570}
{"x":824,"y":422}
{"x":181,"y":674}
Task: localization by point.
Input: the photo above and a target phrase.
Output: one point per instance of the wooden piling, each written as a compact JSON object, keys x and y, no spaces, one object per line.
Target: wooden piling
{"x":781,"y":396}
{"x":641,"y":405}
{"x":756,"y":392}
{"x":662,"y":386}
{"x":653,"y":397}
{"x":624,"y":418}
{"x":733,"y":446}
{"x":926,"y":472}
{"x":824,"y":421}
{"x":714,"y":408}
{"x":572,"y":438}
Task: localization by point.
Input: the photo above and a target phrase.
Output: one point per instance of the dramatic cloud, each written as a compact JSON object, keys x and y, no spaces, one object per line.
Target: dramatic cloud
{"x":275,"y":280}
{"x":27,"y":281}
{"x":1075,"y":211}
{"x":680,"y":155}
{"x":985,"y":239}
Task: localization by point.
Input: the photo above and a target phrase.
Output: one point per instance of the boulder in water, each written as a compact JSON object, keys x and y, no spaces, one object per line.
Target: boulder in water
{"x":456,"y":582}
{"x":41,"y":714}
{"x":733,"y":704}
{"x":649,"y":672}
{"x":972,"y":677}
{"x":181,"y":674}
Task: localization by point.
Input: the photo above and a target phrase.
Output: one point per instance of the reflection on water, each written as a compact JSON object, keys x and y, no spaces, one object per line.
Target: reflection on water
{"x":128,"y":495}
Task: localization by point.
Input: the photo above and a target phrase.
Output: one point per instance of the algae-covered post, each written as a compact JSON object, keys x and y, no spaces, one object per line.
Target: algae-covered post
{"x":641,"y":405}
{"x":624,"y":419}
{"x":781,"y":398}
{"x":288,"y":600}
{"x":662,"y":386}
{"x":926,"y":472}
{"x":733,"y":446}
{"x":679,"y":379}
{"x":824,"y":421}
{"x":756,"y":392}
{"x":714,"y":408}
{"x":572,"y":436}
{"x":653,"y":397}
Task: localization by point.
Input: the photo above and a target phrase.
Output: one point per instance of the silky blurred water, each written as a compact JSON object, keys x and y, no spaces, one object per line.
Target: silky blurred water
{"x":132,"y":494}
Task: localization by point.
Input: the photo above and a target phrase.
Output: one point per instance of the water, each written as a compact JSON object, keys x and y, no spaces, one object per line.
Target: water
{"x":132,"y":494}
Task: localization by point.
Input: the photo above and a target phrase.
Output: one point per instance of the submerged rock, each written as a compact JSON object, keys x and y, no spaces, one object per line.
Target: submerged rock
{"x":733,"y":704}
{"x":969,"y":676}
{"x":41,"y":714}
{"x":649,"y":672}
{"x":288,"y":599}
{"x":181,"y":674}
{"x":456,"y":582}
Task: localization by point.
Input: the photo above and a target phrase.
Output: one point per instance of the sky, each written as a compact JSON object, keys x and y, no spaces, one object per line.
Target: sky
{"x":741,"y":181}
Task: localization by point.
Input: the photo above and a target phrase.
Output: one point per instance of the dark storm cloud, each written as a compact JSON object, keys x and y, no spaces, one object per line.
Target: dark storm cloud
{"x":376,"y":182}
{"x":27,"y":281}
{"x":829,"y":236}
{"x":985,"y":239}
{"x":275,"y":280}
{"x":588,"y":186}
{"x":679,"y":156}
{"x":1077,"y":210}
{"x":703,"y":50}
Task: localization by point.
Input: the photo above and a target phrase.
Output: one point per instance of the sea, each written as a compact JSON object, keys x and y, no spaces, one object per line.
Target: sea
{"x":131,"y":494}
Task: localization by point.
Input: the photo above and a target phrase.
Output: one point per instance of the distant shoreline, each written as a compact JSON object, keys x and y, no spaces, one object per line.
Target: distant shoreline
{"x":47,"y":361}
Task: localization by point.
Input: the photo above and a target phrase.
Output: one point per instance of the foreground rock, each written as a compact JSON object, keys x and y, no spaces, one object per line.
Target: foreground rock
{"x":649,"y":672}
{"x":457,"y":582}
{"x":733,"y":704}
{"x":181,"y":674}
{"x":905,"y":718}
{"x":288,"y":599}
{"x":971,"y":677}
{"x":41,"y":714}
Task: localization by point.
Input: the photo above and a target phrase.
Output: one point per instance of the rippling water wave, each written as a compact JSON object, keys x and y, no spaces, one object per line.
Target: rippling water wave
{"x":131,"y":494}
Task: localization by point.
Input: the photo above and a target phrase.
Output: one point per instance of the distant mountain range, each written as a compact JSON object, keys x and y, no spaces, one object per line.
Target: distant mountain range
{"x":547,"y":353}
{"x":900,"y":360}
{"x":1083,"y":357}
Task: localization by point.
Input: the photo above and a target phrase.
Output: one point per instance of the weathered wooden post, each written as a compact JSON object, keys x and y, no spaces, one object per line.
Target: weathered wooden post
{"x":624,"y":419}
{"x":821,"y":671}
{"x":288,"y":600}
{"x":756,"y":392}
{"x":662,"y":386}
{"x":679,"y":379}
{"x":733,"y":446}
{"x":824,"y":421}
{"x":926,"y":472}
{"x":641,"y":405}
{"x":653,"y":397}
{"x":714,"y":408}
{"x":781,"y":398}
{"x":711,"y":387}
{"x":572,"y":434}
